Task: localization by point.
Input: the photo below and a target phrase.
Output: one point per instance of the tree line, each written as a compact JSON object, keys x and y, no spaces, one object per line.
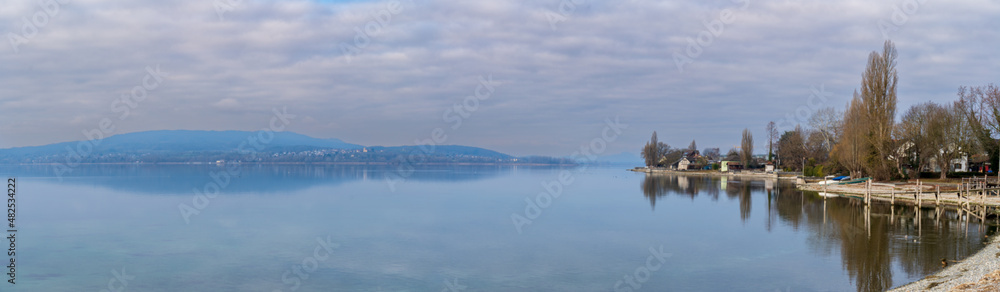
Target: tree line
{"x":660,"y":154}
{"x":865,"y":139}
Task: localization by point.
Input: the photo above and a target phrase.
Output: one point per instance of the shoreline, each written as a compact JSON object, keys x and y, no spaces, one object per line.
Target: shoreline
{"x":978,"y":272}
{"x":712,"y":173}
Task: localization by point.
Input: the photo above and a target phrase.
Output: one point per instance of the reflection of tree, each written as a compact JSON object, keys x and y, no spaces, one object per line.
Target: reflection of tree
{"x":871,"y":238}
{"x":868,"y":238}
{"x":655,"y":186}
{"x":745,"y":202}
{"x":864,"y":251}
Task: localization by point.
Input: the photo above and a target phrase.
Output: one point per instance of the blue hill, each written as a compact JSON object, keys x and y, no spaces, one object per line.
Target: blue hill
{"x":180,"y":141}
{"x":203,"y":146}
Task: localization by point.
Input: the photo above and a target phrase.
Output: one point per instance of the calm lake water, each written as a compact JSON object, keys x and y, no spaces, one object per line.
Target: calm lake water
{"x":450,"y":228}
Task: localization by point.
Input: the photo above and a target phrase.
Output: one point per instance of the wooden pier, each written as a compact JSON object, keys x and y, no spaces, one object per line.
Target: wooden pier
{"x":977,"y":197}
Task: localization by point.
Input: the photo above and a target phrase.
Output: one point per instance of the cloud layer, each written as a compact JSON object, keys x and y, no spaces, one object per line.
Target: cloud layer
{"x":561,"y":67}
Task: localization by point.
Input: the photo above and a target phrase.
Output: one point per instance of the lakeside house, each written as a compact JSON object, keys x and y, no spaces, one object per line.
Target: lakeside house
{"x":730,"y":166}
{"x":683,"y":164}
{"x":692,"y":160}
{"x":965,"y":163}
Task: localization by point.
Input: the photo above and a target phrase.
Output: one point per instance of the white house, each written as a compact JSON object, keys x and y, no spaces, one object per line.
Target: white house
{"x":683,"y":164}
{"x":960,"y":164}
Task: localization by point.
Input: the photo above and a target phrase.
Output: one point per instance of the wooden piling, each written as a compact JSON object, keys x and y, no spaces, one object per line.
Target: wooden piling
{"x":937,"y":195}
{"x":868,"y":192}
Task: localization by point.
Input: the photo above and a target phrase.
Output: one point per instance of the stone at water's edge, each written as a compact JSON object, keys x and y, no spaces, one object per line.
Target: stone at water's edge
{"x":979,"y":272}
{"x":990,"y":282}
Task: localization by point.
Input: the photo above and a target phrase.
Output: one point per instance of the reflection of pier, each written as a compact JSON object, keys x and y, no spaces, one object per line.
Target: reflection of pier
{"x":973,"y":198}
{"x":870,"y":238}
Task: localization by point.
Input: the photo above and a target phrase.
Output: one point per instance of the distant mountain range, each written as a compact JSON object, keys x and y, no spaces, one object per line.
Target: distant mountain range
{"x":180,"y":146}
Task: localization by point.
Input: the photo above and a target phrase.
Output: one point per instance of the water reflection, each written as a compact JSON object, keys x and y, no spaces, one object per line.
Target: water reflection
{"x":869,"y":239}
{"x":262,"y":179}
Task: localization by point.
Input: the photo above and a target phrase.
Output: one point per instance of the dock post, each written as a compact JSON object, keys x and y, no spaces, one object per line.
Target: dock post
{"x":916,"y":196}
{"x":961,"y":193}
{"x":892,"y":198}
{"x":937,"y":195}
{"x":868,"y":192}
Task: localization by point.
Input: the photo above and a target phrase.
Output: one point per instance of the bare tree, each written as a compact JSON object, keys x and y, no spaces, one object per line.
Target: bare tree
{"x":981,"y":108}
{"x":791,"y":148}
{"x":733,"y":155}
{"x":711,"y":153}
{"x":878,"y":100}
{"x":815,"y":146}
{"x":772,"y":136}
{"x":914,"y":136}
{"x":853,"y":147}
{"x":828,"y":122}
{"x":651,"y":152}
{"x":746,"y":148}
{"x":869,"y":122}
{"x":950,"y":136}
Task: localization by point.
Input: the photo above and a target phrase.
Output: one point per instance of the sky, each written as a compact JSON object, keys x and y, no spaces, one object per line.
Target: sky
{"x":391,"y":72}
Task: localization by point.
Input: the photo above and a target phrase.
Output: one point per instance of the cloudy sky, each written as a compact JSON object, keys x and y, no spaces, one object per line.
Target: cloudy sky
{"x":560,"y":68}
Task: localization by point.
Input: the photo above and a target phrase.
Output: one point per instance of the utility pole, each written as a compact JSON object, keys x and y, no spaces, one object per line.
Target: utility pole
{"x":803,"y":167}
